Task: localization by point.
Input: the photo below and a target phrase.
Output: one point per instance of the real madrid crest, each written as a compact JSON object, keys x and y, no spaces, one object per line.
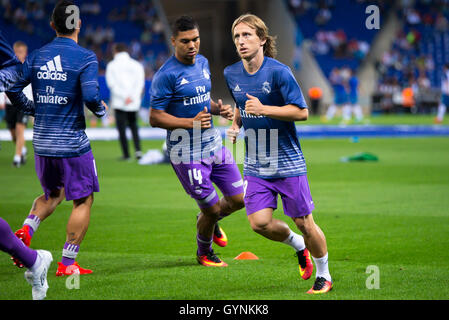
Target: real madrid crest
{"x":266,"y":88}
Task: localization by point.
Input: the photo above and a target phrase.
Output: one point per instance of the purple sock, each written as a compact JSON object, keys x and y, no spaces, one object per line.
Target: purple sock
{"x":204,"y":244}
{"x":33,"y":222}
{"x":14,"y":246}
{"x":69,"y":253}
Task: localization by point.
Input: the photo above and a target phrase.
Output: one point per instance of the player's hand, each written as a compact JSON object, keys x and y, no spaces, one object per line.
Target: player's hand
{"x":253,"y":106}
{"x":204,"y":118}
{"x":232,"y":134}
{"x":225,"y":110}
{"x":105,"y":105}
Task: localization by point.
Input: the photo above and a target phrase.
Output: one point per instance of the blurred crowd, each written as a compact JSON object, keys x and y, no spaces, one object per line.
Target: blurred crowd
{"x":31,"y":17}
{"x":332,"y":41}
{"x":408,"y":65}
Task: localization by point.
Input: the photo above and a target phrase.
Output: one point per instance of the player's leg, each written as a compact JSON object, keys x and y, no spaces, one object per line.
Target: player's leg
{"x":441,"y":110}
{"x":37,"y":262}
{"x":76,"y":230}
{"x":15,"y":247}
{"x":226,"y":175}
{"x":260,"y":202}
{"x":121,"y":119}
{"x":316,"y":242}
{"x":298,"y":204}
{"x":10,"y":118}
{"x":206,"y":222}
{"x":262,"y":222}
{"x":346,"y":113}
{"x":330,"y":113}
{"x":195,"y":179}
{"x":43,"y":206}
{"x":358,"y":112}
{"x":80,"y":181}
{"x":132,"y":122}
{"x":19,"y":156}
{"x":50,"y":174}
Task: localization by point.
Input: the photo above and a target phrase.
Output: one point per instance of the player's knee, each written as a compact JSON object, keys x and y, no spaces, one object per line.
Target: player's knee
{"x":56,"y":197}
{"x":259,"y":226}
{"x":86,"y":200}
{"x":305,"y":224}
{"x":237,"y":204}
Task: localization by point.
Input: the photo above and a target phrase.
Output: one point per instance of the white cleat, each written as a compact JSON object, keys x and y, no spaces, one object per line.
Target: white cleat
{"x":38,"y":279}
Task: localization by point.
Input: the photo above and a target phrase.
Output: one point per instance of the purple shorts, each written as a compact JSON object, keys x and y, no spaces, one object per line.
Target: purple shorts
{"x":78,"y":175}
{"x":197,"y":178}
{"x":263,"y":193}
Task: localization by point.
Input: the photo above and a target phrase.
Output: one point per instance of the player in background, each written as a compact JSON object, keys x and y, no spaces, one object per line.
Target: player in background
{"x":63,"y":77}
{"x":181,"y":103}
{"x":444,"y":103}
{"x":269,"y":101}
{"x":340,"y":95}
{"x":16,"y":120}
{"x":36,"y":261}
{"x":353,"y":98}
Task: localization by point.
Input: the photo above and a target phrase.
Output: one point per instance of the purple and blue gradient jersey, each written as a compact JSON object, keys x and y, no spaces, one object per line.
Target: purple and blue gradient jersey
{"x":10,"y":66}
{"x":183,"y":91}
{"x":64,"y":78}
{"x":273,"y":84}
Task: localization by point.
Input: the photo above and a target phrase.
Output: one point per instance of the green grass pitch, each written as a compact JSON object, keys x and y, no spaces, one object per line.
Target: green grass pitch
{"x":393,"y":214}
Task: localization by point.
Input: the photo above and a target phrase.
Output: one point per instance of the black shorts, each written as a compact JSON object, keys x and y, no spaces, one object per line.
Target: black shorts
{"x":13,"y":116}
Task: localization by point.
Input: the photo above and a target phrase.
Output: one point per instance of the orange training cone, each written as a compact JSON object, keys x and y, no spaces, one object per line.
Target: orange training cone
{"x":246,"y":256}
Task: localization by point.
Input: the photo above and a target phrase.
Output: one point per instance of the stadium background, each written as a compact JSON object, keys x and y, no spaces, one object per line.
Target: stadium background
{"x":361,"y":204}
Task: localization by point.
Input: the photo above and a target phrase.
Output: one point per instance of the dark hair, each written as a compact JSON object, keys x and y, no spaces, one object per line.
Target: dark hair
{"x":59,"y":17}
{"x":120,"y":47}
{"x":184,"y":23}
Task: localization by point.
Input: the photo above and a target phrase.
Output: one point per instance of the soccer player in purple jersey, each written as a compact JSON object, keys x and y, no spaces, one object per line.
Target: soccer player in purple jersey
{"x":36,"y":261}
{"x":268,"y":98}
{"x":180,"y":100}
{"x":64,"y":78}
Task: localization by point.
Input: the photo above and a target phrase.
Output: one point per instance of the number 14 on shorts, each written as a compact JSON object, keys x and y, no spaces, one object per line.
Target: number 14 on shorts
{"x":195,"y":174}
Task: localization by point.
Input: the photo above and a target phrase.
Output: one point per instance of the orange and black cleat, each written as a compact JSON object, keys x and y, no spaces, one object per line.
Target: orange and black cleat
{"x":211,"y":260}
{"x":220,"y":237}
{"x":305,"y":264}
{"x":69,"y":270}
{"x":320,"y":286}
{"x":24,"y":235}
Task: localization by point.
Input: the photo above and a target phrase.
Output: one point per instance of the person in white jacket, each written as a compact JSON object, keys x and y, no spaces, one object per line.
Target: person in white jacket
{"x":125,"y":78}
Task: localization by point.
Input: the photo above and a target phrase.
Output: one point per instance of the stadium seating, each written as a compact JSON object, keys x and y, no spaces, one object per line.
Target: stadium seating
{"x":103,"y":22}
{"x":418,"y":53}
{"x":338,"y":39}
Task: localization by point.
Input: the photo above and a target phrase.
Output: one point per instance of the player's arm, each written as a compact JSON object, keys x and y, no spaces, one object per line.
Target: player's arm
{"x":161,"y":119}
{"x":288,"y":112}
{"x":234,"y":130}
{"x":90,"y":88}
{"x":220,"y":109}
{"x":162,"y":91}
{"x":16,"y":96}
{"x":10,"y":66}
{"x":9,"y":76}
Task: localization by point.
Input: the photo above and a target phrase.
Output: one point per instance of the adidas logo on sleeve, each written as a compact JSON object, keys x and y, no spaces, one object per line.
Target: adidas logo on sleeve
{"x":52,"y":70}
